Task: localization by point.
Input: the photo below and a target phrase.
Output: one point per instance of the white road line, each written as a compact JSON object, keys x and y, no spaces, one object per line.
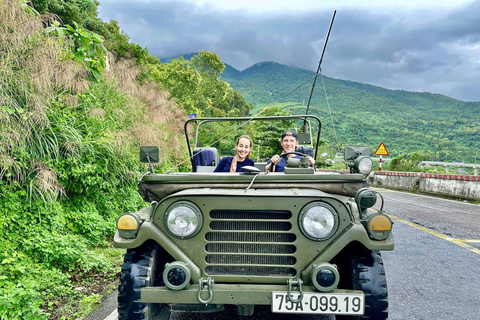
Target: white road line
{"x":113,"y":315}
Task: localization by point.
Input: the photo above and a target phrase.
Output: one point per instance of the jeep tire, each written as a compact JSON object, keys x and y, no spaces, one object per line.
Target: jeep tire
{"x":368,"y":275}
{"x":139,"y":270}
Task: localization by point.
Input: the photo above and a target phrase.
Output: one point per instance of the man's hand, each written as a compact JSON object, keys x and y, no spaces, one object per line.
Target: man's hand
{"x":275,"y":159}
{"x":311,"y":161}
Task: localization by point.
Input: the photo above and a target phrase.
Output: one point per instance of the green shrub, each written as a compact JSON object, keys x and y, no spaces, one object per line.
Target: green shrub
{"x":65,"y":252}
{"x":68,"y":164}
{"x":408,"y":162}
{"x":21,"y":301}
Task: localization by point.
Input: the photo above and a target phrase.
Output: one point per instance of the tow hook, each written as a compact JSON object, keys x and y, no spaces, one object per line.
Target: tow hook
{"x":295,"y":284}
{"x":206,"y":284}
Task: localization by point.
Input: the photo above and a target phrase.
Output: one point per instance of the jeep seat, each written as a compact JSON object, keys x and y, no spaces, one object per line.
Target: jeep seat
{"x":205,"y":157}
{"x":308,"y":150}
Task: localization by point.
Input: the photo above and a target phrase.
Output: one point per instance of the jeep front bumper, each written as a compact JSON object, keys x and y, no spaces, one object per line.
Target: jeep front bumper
{"x":253,"y":294}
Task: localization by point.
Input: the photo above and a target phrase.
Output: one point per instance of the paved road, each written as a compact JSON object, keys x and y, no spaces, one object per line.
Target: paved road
{"x":434,"y":271}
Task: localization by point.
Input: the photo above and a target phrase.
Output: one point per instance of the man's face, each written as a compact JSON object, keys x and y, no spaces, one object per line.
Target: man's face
{"x":289,"y":143}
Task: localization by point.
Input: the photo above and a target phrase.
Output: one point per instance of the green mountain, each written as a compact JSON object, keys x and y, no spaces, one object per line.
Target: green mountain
{"x":405,"y":121}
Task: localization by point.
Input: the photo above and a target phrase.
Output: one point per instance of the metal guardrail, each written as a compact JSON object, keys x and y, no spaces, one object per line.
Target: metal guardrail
{"x":447,"y":165}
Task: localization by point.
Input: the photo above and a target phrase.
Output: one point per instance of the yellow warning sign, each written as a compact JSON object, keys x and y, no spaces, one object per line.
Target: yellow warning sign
{"x":381,"y":151}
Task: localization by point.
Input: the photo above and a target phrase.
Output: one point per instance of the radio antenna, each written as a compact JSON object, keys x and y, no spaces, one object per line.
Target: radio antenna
{"x":320,"y":62}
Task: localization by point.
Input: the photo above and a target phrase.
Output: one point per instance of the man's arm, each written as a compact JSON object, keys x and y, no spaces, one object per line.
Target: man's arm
{"x":272,"y":162}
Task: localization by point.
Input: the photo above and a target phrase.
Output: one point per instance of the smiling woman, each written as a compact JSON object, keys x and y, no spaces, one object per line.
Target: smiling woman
{"x":243,"y":147}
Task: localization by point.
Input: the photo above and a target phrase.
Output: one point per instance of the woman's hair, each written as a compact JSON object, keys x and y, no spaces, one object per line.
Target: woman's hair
{"x":251,"y":144}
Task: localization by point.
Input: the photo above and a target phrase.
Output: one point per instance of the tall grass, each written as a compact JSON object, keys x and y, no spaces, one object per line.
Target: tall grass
{"x":68,"y":165}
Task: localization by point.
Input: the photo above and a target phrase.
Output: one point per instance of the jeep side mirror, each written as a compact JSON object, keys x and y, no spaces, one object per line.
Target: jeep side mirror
{"x":360,"y":156}
{"x":352,"y":152}
{"x":149,"y":154}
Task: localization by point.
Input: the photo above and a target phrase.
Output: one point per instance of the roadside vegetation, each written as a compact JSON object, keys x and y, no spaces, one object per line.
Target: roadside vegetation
{"x":77,"y":99}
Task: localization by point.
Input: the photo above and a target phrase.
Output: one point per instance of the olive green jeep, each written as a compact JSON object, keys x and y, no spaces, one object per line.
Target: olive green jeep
{"x":303,"y":241}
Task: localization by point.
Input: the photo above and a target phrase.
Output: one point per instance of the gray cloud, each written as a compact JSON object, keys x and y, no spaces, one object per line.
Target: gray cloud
{"x":419,"y":50}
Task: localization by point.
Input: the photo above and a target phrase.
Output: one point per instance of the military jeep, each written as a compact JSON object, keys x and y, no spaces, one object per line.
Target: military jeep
{"x":303,"y":241}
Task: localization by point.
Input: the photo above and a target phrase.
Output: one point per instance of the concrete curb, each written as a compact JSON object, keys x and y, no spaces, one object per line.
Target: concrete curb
{"x":450,"y":185}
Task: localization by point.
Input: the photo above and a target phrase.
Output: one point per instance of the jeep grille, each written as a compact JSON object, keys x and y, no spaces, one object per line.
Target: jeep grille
{"x":250,"y":243}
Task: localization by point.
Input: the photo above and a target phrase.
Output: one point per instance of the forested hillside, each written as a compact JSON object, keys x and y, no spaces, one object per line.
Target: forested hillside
{"x":405,"y":121}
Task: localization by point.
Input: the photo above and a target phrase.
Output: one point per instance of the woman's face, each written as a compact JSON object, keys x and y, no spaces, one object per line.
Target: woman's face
{"x":243,"y":148}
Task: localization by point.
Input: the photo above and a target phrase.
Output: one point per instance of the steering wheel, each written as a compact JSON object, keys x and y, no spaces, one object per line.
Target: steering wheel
{"x":293,"y":152}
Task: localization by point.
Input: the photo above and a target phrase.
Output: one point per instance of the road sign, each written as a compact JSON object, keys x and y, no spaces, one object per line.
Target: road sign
{"x":381,"y":151}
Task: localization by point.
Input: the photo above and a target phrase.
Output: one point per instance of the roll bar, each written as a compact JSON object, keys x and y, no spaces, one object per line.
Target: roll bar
{"x":249,"y":119}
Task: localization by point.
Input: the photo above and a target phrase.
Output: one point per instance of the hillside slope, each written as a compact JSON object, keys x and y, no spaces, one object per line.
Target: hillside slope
{"x":69,"y":165}
{"x":405,"y":121}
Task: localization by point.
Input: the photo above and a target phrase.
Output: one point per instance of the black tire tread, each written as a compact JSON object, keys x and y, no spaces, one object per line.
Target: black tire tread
{"x":369,"y":276}
{"x":138,"y":271}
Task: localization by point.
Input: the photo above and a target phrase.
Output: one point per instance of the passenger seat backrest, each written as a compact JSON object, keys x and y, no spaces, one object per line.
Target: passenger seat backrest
{"x":205,"y":157}
{"x":308,"y":150}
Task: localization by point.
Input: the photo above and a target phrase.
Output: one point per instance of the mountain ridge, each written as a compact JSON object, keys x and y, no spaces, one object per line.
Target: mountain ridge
{"x":362,"y":113}
{"x":407,"y":121}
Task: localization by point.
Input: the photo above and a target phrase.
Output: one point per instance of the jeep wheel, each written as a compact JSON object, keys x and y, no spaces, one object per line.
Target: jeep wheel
{"x":368,"y":275}
{"x":139,"y":270}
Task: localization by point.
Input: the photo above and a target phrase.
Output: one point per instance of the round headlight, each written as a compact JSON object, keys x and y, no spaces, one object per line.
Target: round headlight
{"x":318,"y":221}
{"x":363,"y":165}
{"x":183,"y":219}
{"x":177,"y":275}
{"x":127,"y":222}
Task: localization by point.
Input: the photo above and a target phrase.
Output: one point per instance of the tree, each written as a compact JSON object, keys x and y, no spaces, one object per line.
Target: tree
{"x":197,"y":86}
{"x":409,"y":162}
{"x":208,"y":64}
{"x":270,"y":132}
{"x":83,"y":12}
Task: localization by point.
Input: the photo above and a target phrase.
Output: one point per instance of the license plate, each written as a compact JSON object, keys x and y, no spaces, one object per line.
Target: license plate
{"x":320,"y":303}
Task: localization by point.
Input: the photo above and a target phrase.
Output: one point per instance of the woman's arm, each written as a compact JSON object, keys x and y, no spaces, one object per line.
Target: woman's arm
{"x":221,"y":165}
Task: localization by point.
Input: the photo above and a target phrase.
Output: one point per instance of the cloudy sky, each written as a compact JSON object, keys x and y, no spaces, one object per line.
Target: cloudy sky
{"x":428,"y":45}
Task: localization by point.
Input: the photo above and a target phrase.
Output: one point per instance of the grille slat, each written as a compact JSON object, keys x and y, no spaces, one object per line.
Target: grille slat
{"x":244,"y":259}
{"x":250,"y":237}
{"x":251,"y":270}
{"x":250,"y":225}
{"x":250,"y":248}
{"x":246,"y":248}
{"x":251,"y":215}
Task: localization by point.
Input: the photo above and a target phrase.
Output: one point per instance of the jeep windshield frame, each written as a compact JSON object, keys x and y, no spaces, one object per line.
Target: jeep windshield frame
{"x":201,"y":121}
